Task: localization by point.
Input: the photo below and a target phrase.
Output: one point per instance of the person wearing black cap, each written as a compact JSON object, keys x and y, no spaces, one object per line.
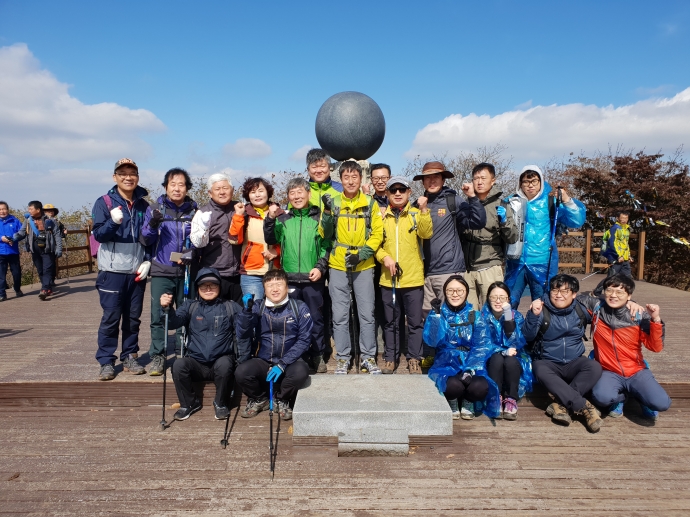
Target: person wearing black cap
{"x":213,"y":349}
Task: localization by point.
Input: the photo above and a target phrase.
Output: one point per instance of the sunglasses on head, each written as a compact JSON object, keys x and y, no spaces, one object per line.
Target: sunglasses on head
{"x":395,"y":190}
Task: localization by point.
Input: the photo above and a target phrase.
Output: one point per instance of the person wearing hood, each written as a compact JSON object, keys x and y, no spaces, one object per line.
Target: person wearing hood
{"x":166,"y":229}
{"x":9,"y":251}
{"x":123,"y":266}
{"x":543,"y":215}
{"x":484,"y":249}
{"x":558,"y":360}
{"x":214,"y":348}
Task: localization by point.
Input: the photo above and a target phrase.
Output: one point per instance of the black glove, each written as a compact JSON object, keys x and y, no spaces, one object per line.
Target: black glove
{"x":351,"y":260}
{"x":156,"y":218}
{"x":436,"y":305}
{"x":327,"y":202}
{"x":187,"y":257}
{"x":466,"y":378}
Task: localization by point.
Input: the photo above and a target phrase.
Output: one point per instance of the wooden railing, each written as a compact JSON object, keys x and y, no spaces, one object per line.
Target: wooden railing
{"x":588,"y":249}
{"x":88,"y":263}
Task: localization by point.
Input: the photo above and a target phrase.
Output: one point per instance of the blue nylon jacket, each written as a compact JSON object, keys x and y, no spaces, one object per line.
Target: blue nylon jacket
{"x":8,"y":227}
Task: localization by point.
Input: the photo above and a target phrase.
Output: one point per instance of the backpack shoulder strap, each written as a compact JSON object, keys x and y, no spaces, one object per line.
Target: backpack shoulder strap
{"x":546,"y":321}
{"x":595,"y":319}
{"x":471,"y":317}
{"x":295,"y":308}
{"x":192,"y":308}
{"x":229,"y":309}
{"x":452,"y":207}
{"x":108,"y":201}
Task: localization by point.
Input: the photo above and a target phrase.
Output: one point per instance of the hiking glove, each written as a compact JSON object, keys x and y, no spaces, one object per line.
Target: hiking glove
{"x":501,"y":211}
{"x":205,"y":219}
{"x":365,"y":253}
{"x":274,"y":373}
{"x":116,"y":215}
{"x":436,"y":305}
{"x":327,"y":202}
{"x":156,"y":218}
{"x":351,"y":260}
{"x":143,"y":271}
{"x":248,"y":301}
{"x":467,"y":377}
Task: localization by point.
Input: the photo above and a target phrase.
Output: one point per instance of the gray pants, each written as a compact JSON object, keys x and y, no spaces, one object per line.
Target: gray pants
{"x":339,"y":289}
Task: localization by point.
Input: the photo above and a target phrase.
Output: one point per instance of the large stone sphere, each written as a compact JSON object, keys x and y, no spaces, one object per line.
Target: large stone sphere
{"x":350,"y":125}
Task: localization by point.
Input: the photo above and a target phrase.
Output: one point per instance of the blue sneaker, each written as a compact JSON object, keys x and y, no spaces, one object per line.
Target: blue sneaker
{"x":616,"y":410}
{"x":649,"y":414}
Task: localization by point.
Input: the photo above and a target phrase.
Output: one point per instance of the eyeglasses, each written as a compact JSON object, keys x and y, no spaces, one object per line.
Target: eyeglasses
{"x":208,"y":287}
{"x":619,"y":293}
{"x":455,"y":291}
{"x":380,"y":179}
{"x":531,"y":183}
{"x":498,"y":298}
{"x":564,"y":292}
{"x":395,"y":190}
{"x":128,"y":174}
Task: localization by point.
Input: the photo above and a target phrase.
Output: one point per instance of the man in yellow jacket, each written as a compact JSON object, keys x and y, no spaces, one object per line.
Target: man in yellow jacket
{"x":354,"y":221}
{"x":402,"y":274}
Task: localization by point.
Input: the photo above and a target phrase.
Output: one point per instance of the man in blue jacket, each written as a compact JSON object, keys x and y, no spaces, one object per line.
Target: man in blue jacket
{"x":9,"y":251}
{"x":166,"y":229}
{"x":213,"y":349}
{"x":543,"y":215}
{"x":123,"y":266}
{"x":280,"y":328}
{"x":556,"y":327}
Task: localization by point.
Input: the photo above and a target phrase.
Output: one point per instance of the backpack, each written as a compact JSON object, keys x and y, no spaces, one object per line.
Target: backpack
{"x":519,"y":208}
{"x":604,"y":243}
{"x":535,"y":347}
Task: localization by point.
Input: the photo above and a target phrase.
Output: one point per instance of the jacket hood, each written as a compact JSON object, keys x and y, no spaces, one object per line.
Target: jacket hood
{"x":187,"y":205}
{"x":545,"y":187}
{"x":205,"y":271}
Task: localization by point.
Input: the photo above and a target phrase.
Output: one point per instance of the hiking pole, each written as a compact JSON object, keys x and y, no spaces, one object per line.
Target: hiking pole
{"x":395,"y":280}
{"x":559,"y":200}
{"x":164,"y":424}
{"x":224,"y":441}
{"x":183,"y":334}
{"x":270,"y":418}
{"x":596,"y":272}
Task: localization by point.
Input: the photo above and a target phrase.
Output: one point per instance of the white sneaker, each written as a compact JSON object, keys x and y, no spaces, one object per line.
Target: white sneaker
{"x":369,"y":365}
{"x":341,"y":366}
{"x":467,"y":411}
{"x":454,"y":409}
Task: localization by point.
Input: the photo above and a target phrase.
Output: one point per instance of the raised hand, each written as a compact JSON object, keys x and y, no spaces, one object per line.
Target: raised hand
{"x":116,"y":215}
{"x":422,"y":203}
{"x":239,"y":209}
{"x":468,"y":189}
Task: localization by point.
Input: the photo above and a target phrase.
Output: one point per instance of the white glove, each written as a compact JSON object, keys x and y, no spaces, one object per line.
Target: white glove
{"x":143,"y":271}
{"x":116,"y":215}
{"x":205,"y":220}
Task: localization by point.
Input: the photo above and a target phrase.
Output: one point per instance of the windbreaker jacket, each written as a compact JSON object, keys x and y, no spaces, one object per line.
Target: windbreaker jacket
{"x":302,"y":248}
{"x":402,"y":231}
{"x":484,"y":248}
{"x":170,"y":236}
{"x":248,"y":230}
{"x":53,"y":236}
{"x":618,"y":340}
{"x":279,"y":336}
{"x":350,"y":232}
{"x":443,"y":252}
{"x":120,"y":250}
{"x":317,"y":190}
{"x":618,"y":244}
{"x":213,"y":245}
{"x":8,"y":227}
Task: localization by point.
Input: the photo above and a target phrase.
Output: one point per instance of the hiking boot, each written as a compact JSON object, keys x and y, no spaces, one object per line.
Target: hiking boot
{"x":341,"y":366}
{"x":428,"y":361}
{"x":467,"y":411}
{"x":616,"y":411}
{"x":592,"y":420}
{"x":388,"y":368}
{"x":19,"y":293}
{"x":454,"y":408}
{"x":413,"y":366}
{"x":284,"y":410}
{"x":222,"y":412}
{"x":369,"y":365}
{"x":132,"y":366}
{"x":254,"y":407}
{"x":649,"y":414}
{"x":185,"y":412}
{"x":510,"y":409}
{"x":319,"y":364}
{"x":107,"y":372}
{"x":156,"y":366}
{"x":558,"y":414}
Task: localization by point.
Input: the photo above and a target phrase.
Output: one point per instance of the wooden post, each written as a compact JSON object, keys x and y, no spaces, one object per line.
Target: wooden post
{"x":88,"y":249}
{"x":588,"y":249}
{"x":640,"y":254}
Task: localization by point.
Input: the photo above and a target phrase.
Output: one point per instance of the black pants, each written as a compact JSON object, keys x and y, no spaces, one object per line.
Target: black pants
{"x":616,"y":268}
{"x":408,"y":300}
{"x":312,"y":294}
{"x":251,"y":378}
{"x":475,"y":392}
{"x":380,"y":314}
{"x":568,"y":382}
{"x":186,"y":371}
{"x":44,"y":263}
{"x":230,"y":288}
{"x":505,"y":371}
{"x":11,"y":261}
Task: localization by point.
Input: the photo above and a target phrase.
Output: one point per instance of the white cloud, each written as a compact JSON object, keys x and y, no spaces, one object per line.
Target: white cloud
{"x":543,"y":132}
{"x":300,"y":154}
{"x":251,"y":148}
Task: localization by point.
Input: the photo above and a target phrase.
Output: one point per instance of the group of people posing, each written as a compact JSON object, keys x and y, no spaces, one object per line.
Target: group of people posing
{"x":256,"y":290}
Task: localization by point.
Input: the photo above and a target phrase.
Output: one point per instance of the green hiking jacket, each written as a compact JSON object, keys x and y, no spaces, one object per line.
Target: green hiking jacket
{"x":302,"y":247}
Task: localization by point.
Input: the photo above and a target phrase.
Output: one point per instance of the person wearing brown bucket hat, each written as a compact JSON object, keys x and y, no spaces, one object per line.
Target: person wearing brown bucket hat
{"x":434,"y":168}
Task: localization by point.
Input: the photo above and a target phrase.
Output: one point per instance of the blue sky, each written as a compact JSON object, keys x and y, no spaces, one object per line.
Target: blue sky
{"x":234,"y":86}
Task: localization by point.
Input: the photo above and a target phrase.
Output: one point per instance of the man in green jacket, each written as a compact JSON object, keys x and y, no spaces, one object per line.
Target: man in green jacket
{"x":303,"y":256}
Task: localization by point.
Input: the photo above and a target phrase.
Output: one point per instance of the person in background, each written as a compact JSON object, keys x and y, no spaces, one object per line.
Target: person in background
{"x":51,"y":212}
{"x":9,"y":252}
{"x":617,"y":251}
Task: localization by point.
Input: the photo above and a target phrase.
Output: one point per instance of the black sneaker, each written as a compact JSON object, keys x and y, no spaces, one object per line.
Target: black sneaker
{"x":254,"y":407}
{"x":19,"y":294}
{"x":222,"y":412}
{"x":107,"y":372}
{"x":185,"y":412}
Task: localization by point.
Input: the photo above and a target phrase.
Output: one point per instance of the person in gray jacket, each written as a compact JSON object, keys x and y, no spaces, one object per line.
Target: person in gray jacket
{"x":484,"y":248}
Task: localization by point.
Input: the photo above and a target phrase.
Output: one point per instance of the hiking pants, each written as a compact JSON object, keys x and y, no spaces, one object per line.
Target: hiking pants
{"x":363,"y":291}
{"x":186,"y":371}
{"x":568,"y":382}
{"x":505,"y":371}
{"x":475,"y":392}
{"x":251,"y":378}
{"x":408,"y":300}
{"x":44,"y":263}
{"x":121,"y":300}
{"x":311,"y":293}
{"x":380,"y":315}
{"x":617,"y":267}
{"x":161,"y":285}
{"x":479,"y":282}
{"x":11,"y":261}
{"x":613,"y":388}
{"x":230,"y":288}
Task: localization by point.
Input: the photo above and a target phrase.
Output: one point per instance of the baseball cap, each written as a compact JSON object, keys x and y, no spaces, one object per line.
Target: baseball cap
{"x":398,"y":180}
{"x":125,"y":161}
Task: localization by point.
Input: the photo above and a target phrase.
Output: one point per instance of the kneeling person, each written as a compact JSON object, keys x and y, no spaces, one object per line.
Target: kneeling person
{"x":280,"y":329}
{"x":211,"y":353}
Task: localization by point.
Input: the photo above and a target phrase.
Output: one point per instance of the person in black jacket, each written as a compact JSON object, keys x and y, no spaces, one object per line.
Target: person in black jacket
{"x":281,"y":330}
{"x":558,"y":361}
{"x":213,"y":348}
